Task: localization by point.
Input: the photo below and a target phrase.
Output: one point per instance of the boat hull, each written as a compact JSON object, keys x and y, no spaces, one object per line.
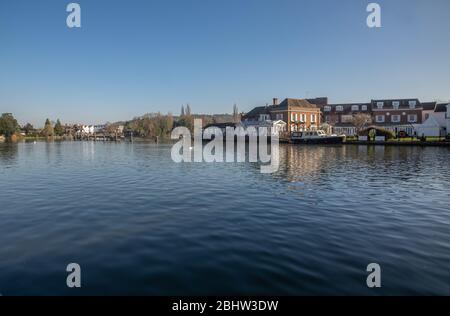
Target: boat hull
{"x":319,"y":140}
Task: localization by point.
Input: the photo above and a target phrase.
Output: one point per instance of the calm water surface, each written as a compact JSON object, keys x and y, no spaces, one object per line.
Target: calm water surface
{"x":138,"y":223}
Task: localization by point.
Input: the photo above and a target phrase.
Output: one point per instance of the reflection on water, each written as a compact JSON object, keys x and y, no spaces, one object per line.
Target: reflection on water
{"x":8,"y":152}
{"x":126,"y":213}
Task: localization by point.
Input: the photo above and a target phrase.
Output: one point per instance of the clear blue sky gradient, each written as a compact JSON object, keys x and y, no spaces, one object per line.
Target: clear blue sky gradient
{"x":135,"y":57}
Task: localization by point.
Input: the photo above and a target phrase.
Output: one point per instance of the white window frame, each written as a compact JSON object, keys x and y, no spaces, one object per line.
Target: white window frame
{"x":412,"y":104}
{"x":396,"y":104}
{"x":346,"y":118}
{"x":396,"y":118}
{"x":303,"y":118}
{"x":380,"y":105}
{"x":313,"y":118}
{"x":355,"y":108}
{"x":339,"y":108}
{"x":363,"y":107}
{"x":414,"y":116}
{"x":327,"y":108}
{"x":382,"y":118}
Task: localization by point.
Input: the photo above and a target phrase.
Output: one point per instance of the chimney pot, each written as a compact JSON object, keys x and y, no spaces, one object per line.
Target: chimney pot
{"x":275,"y":101}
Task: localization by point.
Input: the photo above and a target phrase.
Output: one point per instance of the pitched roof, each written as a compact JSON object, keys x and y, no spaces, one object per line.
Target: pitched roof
{"x":321,"y":101}
{"x":434,"y":120}
{"x":292,"y":104}
{"x":258,"y":110}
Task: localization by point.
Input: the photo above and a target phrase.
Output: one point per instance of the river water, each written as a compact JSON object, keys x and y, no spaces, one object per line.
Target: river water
{"x":139,"y":224}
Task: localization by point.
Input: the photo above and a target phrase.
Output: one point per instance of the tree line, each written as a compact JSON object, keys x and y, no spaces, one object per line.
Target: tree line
{"x":147,"y":126}
{"x":9,"y":128}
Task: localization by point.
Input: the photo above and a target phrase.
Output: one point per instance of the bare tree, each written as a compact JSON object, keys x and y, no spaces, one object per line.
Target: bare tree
{"x":236,"y":117}
{"x":361,"y":120}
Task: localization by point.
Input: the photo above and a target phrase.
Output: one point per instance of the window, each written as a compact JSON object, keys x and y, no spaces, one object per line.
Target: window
{"x":313,"y":118}
{"x":427,"y":116}
{"x":346,"y":118}
{"x":355,"y":107}
{"x":412,"y":104}
{"x":292,"y":117}
{"x":264,"y":117}
{"x":396,"y":104}
{"x":363,"y":107}
{"x":339,"y":108}
{"x":327,"y":108}
{"x":412,"y":118}
{"x":303,"y":118}
{"x":380,"y":105}
{"x":395,"y":118}
{"x":279,"y":116}
{"x":379,"y":118}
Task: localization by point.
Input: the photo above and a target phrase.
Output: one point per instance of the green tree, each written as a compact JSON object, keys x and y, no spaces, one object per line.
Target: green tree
{"x":186,"y":121}
{"x":188,"y":110}
{"x":8,"y":125}
{"x":48,"y":129}
{"x":28,"y":129}
{"x":58,"y":129}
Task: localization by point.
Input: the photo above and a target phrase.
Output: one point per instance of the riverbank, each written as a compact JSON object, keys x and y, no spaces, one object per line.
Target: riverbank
{"x":401,"y":143}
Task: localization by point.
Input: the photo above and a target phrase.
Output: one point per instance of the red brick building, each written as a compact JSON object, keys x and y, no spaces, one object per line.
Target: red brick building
{"x":298,"y":114}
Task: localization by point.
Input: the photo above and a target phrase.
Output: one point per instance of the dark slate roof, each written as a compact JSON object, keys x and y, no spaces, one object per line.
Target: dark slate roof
{"x":429,"y":106}
{"x":257,"y":111}
{"x":441,"y":107}
{"x":321,"y":101}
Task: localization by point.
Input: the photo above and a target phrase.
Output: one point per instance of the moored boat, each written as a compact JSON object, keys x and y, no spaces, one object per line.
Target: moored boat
{"x":315,"y":137}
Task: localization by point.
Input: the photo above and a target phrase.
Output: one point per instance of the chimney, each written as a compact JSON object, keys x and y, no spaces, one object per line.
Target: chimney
{"x":275,"y":101}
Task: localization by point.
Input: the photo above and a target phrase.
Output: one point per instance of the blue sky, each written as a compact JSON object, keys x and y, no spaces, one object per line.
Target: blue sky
{"x":140,"y":56}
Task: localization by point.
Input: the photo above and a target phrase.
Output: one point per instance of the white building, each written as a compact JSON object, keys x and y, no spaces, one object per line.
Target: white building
{"x":436,"y":123}
{"x":88,"y":129}
{"x":273,"y":127}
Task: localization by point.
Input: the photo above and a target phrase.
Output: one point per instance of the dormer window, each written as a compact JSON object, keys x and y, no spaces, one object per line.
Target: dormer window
{"x":380,"y":105}
{"x":363,"y":107}
{"x":327,"y":108}
{"x":264,"y":117}
{"x":355,"y":107}
{"x":396,"y":105}
{"x":339,"y":108}
{"x":412,"y":104}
